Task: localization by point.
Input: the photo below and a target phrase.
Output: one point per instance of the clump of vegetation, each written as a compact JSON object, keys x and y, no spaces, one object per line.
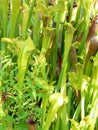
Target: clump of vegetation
{"x":48,"y":65}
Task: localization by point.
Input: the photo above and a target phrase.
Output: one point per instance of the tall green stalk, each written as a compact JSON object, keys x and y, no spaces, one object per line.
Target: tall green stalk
{"x":25,"y":20}
{"x":59,"y":31}
{"x":56,"y":101}
{"x":94,"y":108}
{"x":86,"y":13}
{"x":83,"y":86}
{"x":27,"y":17}
{"x":4,"y":9}
{"x":4,"y":22}
{"x":16,"y":4}
{"x":70,"y":5}
{"x":62,"y":79}
{"x":36,"y":27}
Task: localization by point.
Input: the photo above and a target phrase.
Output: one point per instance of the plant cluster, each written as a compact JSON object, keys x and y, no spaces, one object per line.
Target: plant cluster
{"x":48,"y":65}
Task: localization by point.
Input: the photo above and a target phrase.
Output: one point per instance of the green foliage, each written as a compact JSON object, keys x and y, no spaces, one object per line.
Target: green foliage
{"x":41,"y":80}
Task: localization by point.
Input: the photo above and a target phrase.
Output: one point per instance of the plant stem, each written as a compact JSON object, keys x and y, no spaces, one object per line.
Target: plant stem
{"x":4,"y":17}
{"x":62,"y":79}
{"x":83,"y":99}
{"x":59,"y":28}
{"x":25,"y":21}
{"x":69,"y":103}
{"x":16,"y":4}
{"x":37,"y":25}
{"x":44,"y":105}
{"x":77,"y":112}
